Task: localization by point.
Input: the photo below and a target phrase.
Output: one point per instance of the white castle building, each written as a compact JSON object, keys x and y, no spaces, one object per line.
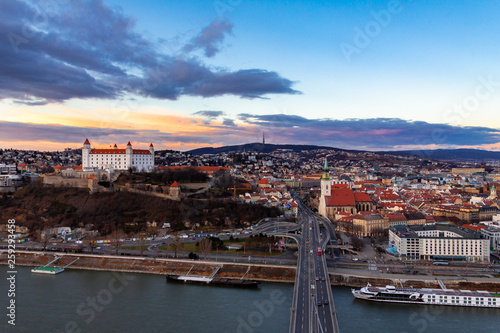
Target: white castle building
{"x":143,"y":160}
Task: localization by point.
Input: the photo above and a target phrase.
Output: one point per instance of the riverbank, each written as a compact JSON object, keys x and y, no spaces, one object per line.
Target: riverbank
{"x":256,"y":272}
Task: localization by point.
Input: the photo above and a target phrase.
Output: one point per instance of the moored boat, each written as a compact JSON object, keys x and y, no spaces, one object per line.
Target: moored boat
{"x":224,"y":282}
{"x":47,"y":270}
{"x":451,"y":297}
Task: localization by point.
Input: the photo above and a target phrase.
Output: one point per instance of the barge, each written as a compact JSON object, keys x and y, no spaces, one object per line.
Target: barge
{"x":222,"y":282}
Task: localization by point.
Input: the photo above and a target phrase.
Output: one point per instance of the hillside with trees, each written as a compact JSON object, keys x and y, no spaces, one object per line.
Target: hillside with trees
{"x":39,"y":207}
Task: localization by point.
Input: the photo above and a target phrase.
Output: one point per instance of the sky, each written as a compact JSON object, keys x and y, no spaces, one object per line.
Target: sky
{"x":370,"y":75}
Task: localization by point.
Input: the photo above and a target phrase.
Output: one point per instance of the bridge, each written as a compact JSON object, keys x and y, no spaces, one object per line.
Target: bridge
{"x":313,"y":309}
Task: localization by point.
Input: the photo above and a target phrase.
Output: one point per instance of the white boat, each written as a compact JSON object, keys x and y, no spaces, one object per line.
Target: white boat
{"x":47,"y":270}
{"x":483,"y":299}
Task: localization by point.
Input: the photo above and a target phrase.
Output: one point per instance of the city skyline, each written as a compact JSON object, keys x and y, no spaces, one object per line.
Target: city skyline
{"x":373,"y":75}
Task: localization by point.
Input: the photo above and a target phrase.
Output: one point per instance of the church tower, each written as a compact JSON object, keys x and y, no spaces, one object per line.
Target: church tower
{"x":326,"y":189}
{"x":325,"y":181}
{"x":493,"y":192}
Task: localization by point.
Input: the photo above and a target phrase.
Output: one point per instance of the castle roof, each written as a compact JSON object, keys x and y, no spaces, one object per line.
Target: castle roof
{"x":87,"y":142}
{"x":119,"y":151}
{"x":174,"y":184}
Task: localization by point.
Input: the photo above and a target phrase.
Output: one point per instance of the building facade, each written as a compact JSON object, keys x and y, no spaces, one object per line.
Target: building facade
{"x":438,"y":242}
{"x":336,"y":199}
{"x":142,"y":160}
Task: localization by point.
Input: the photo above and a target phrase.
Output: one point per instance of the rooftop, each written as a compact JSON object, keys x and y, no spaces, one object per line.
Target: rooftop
{"x":411,"y":231}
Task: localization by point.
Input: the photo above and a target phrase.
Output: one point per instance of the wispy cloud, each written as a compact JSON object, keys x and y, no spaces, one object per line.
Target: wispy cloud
{"x":209,"y":114}
{"x":210,"y":38}
{"x":86,"y":49}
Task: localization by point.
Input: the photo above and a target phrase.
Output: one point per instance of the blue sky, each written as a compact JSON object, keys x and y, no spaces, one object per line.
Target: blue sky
{"x":352,"y":74}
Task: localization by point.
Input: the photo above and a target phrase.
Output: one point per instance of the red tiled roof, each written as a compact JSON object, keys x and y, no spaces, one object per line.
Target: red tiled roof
{"x":199,"y":168}
{"x":263,"y":181}
{"x":475,"y":227}
{"x":108,"y":151}
{"x":174,"y":184}
{"x":341,"y":197}
{"x":119,"y":151}
{"x":361,"y":197}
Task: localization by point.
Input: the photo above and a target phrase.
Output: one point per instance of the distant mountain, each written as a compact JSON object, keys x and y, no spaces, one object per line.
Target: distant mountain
{"x":449,"y":154}
{"x":257,"y":147}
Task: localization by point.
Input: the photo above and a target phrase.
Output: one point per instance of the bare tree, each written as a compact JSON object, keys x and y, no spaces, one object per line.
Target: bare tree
{"x":205,"y":246}
{"x":175,"y":244}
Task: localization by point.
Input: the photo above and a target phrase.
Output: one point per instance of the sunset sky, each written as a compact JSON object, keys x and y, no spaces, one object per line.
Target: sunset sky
{"x":374,"y":75}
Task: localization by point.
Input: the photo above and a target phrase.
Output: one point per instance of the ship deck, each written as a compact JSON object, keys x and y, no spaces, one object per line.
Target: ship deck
{"x":445,"y":292}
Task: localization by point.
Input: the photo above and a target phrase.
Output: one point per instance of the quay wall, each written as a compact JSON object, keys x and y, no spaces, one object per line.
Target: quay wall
{"x":257,"y":272}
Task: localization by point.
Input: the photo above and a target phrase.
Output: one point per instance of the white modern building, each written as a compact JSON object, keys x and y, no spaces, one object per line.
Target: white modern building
{"x":493,"y":235}
{"x":142,"y":160}
{"x":8,"y":169}
{"x":439,"y":242}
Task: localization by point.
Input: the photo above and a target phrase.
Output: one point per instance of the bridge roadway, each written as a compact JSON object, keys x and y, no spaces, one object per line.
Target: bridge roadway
{"x":313,"y":309}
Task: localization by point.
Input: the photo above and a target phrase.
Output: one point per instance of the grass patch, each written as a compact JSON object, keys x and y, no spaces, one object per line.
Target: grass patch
{"x":135,"y":247}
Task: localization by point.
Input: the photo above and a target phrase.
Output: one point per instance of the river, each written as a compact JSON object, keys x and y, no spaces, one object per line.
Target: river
{"x":88,"y":301}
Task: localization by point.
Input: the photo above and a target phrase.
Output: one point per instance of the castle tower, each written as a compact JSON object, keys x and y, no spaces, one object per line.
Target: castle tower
{"x":175,"y":190}
{"x":86,"y":155}
{"x":129,"y":152}
{"x":152,"y":150}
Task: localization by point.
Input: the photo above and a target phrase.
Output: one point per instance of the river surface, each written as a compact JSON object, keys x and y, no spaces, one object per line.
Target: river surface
{"x":87,"y":301}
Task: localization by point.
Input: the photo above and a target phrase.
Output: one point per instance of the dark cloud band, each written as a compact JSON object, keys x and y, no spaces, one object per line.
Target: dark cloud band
{"x":85,"y":49}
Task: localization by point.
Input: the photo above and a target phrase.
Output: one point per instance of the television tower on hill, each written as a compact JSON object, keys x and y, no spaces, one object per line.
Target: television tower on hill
{"x":263,"y":138}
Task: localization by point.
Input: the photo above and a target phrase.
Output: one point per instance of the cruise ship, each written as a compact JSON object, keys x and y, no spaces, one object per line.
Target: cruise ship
{"x":483,"y":299}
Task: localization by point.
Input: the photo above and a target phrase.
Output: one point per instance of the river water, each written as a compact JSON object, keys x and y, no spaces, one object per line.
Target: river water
{"x":86,"y":301}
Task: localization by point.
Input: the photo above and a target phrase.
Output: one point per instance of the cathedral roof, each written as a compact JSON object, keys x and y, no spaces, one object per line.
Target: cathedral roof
{"x":341,"y":197}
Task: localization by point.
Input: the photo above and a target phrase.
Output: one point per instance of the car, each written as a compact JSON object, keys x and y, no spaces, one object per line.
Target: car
{"x":317,"y":278}
{"x":355,"y":259}
{"x":323,"y":279}
{"x":320,"y":304}
{"x":325,"y":302}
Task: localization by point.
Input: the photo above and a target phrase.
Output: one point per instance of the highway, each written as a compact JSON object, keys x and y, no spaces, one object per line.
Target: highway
{"x":312,"y":309}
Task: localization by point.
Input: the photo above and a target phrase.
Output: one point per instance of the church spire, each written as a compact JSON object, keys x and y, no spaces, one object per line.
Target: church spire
{"x":326,"y":175}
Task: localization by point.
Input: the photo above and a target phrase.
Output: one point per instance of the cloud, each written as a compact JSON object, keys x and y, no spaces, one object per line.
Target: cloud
{"x":363,"y":134}
{"x":210,"y":38}
{"x":209,"y":114}
{"x":55,"y":51}
{"x":374,"y":133}
{"x":229,"y":122}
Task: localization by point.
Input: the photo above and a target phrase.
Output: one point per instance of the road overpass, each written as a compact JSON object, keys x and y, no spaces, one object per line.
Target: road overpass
{"x":312,"y":309}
